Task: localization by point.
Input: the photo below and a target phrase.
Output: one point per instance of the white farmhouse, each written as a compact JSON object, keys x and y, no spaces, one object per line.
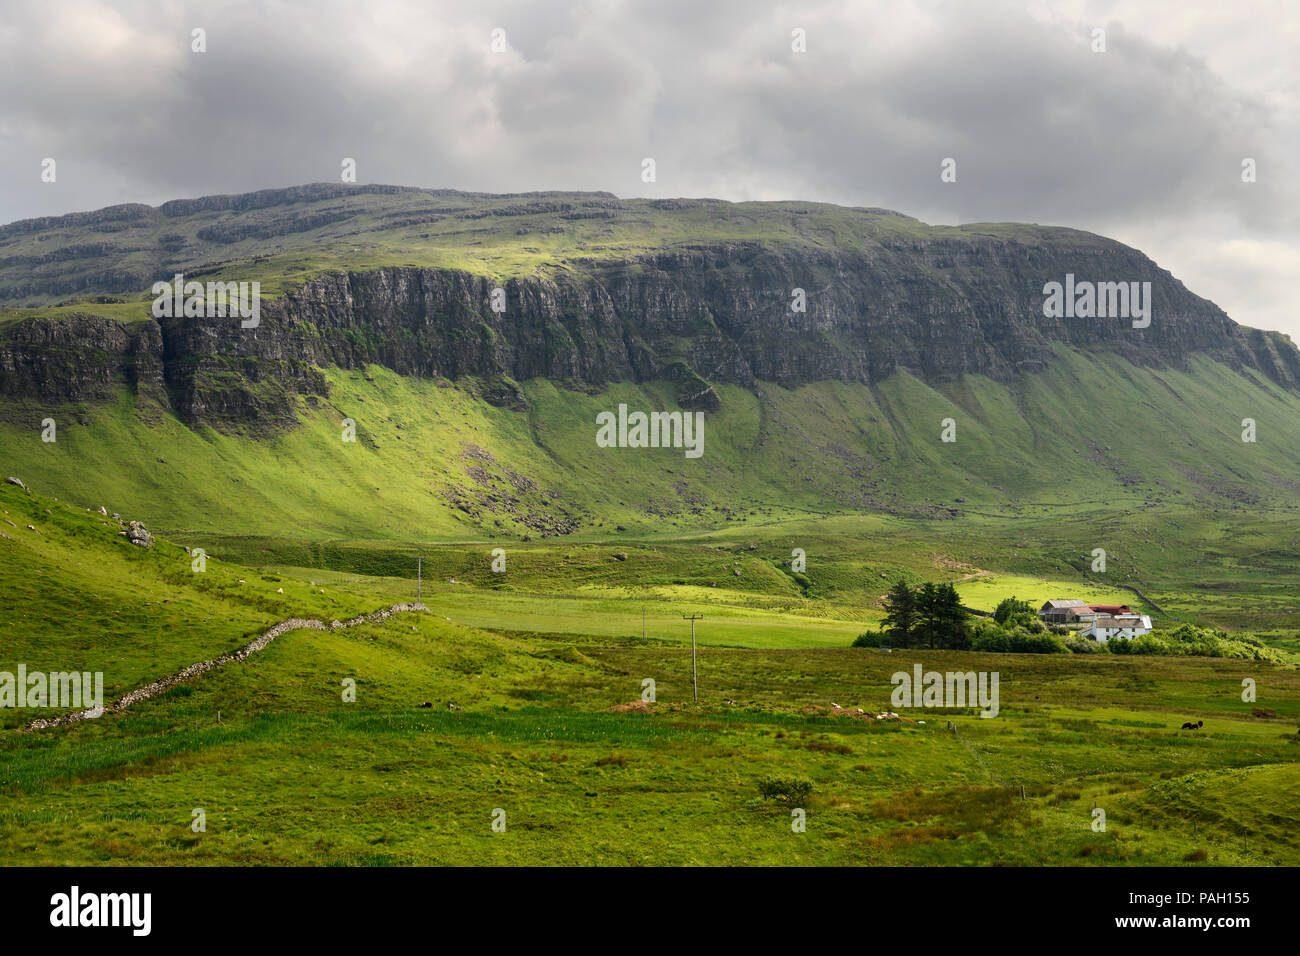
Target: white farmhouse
{"x":1125,"y":625}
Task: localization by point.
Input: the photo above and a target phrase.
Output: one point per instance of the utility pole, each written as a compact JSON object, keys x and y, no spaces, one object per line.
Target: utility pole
{"x":419,"y":580}
{"x":643,"y":622}
{"x":695,"y":683}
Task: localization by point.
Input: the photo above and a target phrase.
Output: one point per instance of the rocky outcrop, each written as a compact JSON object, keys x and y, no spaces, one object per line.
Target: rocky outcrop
{"x":78,"y":358}
{"x":138,"y":535}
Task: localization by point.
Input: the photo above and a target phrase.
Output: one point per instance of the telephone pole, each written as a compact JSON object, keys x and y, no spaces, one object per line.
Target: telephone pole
{"x":695,"y":683}
{"x":419,"y":580}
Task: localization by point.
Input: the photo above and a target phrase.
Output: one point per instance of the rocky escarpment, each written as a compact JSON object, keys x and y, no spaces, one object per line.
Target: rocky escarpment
{"x":698,"y":315}
{"x":80,"y":357}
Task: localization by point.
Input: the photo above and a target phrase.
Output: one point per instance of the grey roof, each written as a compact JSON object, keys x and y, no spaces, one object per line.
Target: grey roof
{"x":1065,"y":603}
{"x":1114,"y":622}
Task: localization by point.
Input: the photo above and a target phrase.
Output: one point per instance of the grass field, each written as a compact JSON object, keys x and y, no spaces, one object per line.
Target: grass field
{"x":520,"y":681}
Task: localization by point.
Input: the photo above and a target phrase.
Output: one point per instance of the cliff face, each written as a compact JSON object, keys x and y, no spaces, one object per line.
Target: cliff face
{"x":939,"y":310}
{"x":712,"y":312}
{"x":78,"y":358}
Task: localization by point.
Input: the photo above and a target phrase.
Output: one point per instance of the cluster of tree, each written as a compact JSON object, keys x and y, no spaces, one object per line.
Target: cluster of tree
{"x":1015,"y":628}
{"x":930,"y":617}
{"x":1011,"y":612}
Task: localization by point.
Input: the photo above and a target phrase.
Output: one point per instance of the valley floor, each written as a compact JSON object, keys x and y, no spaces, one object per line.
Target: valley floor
{"x":519,"y":674}
{"x":285,"y":772}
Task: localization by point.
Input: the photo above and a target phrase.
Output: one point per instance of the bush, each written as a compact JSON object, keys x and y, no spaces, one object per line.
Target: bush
{"x":794,"y":789}
{"x":871,"y":639}
{"x":1150,"y":644}
{"x":1020,"y":639}
{"x":990,"y":638}
{"x":1083,"y":645}
{"x":1188,"y":640}
{"x":1027,"y":642}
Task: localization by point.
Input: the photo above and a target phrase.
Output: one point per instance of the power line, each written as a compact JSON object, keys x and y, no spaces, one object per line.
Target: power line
{"x":695,"y":683}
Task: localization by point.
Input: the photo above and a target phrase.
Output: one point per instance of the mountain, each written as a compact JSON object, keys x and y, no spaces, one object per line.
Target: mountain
{"x":823,"y":479}
{"x":378,"y":308}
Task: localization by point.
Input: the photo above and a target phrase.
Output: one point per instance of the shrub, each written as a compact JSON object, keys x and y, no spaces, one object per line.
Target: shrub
{"x":1031,"y":638}
{"x":1150,"y":644}
{"x":794,"y":789}
{"x":871,"y":639}
{"x":1027,"y":642}
{"x":1083,"y":645}
{"x":991,"y":638}
{"x":1188,"y":640}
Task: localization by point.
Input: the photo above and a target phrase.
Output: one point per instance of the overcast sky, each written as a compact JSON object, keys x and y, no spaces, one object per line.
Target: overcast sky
{"x":1143,"y":142}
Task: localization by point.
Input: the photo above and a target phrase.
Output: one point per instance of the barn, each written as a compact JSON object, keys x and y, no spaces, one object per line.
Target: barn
{"x":1058,"y":612}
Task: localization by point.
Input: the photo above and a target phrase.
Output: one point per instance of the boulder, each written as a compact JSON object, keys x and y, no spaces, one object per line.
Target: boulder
{"x":16,"y":481}
{"x":138,"y":534}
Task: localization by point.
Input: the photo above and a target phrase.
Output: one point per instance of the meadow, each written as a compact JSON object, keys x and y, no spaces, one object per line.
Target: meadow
{"x":519,"y":672}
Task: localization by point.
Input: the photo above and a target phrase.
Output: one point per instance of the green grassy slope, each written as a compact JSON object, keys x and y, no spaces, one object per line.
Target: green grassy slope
{"x":821,"y":449}
{"x":286,"y":771}
{"x":1203,"y":524}
{"x":75,"y":592}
